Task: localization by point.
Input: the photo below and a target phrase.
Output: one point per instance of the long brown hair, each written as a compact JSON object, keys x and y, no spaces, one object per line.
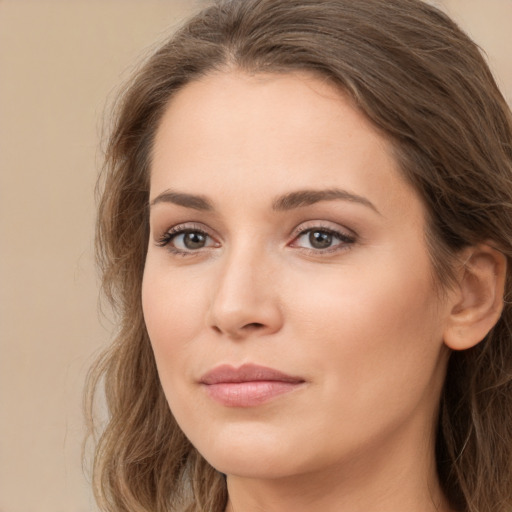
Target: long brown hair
{"x":425,"y":85}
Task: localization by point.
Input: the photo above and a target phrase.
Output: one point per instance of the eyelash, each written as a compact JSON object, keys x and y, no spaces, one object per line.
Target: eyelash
{"x":345,"y":241}
{"x":166,"y":239}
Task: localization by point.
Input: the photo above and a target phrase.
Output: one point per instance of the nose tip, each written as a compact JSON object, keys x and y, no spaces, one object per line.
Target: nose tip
{"x":248,"y":318}
{"x":245,"y":301}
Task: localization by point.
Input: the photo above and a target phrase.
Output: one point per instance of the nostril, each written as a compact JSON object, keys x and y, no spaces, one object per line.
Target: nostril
{"x":253,"y":326}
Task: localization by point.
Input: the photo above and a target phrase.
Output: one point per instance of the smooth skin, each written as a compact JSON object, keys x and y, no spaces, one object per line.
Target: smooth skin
{"x":335,"y":287}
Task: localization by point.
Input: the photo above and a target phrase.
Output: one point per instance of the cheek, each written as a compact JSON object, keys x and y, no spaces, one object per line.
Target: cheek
{"x":372,"y":329}
{"x":359,"y":299}
{"x":174,"y":312}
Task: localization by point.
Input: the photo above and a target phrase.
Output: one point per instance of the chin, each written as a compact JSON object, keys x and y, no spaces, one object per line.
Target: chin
{"x":253,"y":465}
{"x":251,"y":454}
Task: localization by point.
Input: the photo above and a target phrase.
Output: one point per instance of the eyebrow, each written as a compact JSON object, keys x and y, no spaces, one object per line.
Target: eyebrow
{"x":195,"y":202}
{"x":302,"y":198}
{"x":290,"y":201}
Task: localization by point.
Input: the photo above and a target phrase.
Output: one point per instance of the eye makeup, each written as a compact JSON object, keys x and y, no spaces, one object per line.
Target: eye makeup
{"x":314,"y":238}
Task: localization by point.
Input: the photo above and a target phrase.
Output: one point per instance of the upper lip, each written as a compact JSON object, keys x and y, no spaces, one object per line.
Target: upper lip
{"x":246,"y":373}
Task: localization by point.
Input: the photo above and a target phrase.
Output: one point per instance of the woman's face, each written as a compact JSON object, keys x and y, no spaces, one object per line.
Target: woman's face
{"x":288,"y":292}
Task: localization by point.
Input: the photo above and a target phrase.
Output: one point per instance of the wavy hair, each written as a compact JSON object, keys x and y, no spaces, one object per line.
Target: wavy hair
{"x":418,"y":78}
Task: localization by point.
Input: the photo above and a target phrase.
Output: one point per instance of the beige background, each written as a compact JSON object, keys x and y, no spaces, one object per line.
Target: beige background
{"x":59,"y":63}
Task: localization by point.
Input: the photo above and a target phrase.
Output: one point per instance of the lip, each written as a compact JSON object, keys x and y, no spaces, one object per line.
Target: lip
{"x":248,"y":385}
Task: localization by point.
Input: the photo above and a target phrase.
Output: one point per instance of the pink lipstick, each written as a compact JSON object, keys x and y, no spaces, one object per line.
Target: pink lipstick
{"x":248,"y":385}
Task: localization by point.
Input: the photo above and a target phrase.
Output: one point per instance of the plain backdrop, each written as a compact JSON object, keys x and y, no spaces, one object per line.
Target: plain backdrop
{"x":60,"y":64}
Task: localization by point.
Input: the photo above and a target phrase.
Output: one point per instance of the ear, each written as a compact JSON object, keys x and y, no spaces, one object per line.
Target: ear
{"x":478,"y":298}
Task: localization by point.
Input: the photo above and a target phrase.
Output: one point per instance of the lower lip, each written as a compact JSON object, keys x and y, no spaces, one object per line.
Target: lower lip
{"x":248,"y":394}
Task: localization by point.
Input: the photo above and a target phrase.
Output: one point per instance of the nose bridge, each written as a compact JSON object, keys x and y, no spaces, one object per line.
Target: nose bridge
{"x":245,"y":298}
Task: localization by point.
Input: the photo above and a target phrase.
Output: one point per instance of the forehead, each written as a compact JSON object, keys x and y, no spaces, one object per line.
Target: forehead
{"x":263,"y":133}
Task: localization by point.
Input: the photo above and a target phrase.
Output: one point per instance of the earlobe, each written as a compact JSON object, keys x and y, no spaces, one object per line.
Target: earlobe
{"x":478,"y":298}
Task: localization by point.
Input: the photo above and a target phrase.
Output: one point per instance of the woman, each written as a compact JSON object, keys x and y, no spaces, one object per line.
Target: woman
{"x":305,"y":228}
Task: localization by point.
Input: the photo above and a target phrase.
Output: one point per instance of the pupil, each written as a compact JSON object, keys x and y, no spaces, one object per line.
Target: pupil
{"x":320,"y":239}
{"x":194,"y":240}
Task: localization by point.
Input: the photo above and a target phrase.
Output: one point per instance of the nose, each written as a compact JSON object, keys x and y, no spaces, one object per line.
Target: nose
{"x":246,"y":297}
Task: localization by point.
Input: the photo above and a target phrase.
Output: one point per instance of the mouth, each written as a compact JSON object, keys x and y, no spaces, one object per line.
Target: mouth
{"x":247,"y":386}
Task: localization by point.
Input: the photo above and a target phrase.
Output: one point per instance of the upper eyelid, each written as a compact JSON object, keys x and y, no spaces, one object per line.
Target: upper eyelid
{"x":183,"y":227}
{"x":165,"y":240}
{"x":335,"y":232}
{"x":343,"y":237}
{"x":164,"y":237}
{"x":324,"y":225}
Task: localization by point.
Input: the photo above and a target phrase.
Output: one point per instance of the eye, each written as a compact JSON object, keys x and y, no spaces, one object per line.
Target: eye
{"x":190,"y":240}
{"x":319,"y":239}
{"x":183,"y":240}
